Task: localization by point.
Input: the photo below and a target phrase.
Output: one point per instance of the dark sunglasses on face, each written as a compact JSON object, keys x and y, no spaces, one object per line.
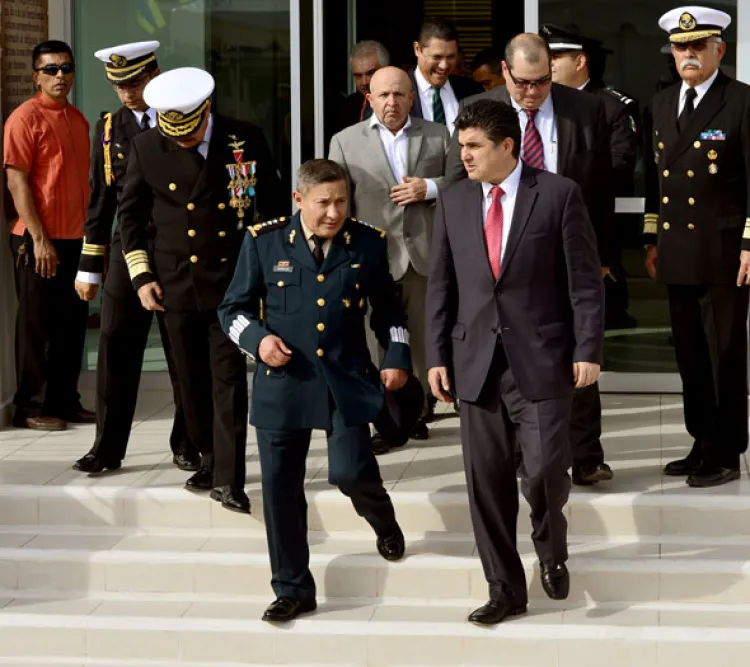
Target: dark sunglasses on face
{"x":535,"y":83}
{"x":52,"y":70}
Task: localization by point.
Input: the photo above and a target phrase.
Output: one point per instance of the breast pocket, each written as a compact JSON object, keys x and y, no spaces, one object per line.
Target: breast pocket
{"x":284,"y":292}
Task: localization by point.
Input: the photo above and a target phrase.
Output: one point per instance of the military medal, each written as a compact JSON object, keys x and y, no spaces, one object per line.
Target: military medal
{"x":712,"y":154}
{"x":242,"y":179}
{"x":713,"y":169}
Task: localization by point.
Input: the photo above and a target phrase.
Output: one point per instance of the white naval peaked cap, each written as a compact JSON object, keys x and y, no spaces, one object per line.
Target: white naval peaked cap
{"x":127,"y":61}
{"x":689,"y":24}
{"x":180,"y":98}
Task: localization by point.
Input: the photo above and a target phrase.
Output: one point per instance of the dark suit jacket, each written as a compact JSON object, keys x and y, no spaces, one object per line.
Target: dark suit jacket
{"x":547,"y":306}
{"x":462,"y":88}
{"x":349,"y":110}
{"x":583,"y":155}
{"x":197,"y":231}
{"x":698,"y":185}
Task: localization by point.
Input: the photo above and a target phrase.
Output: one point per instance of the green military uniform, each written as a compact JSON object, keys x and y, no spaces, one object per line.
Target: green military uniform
{"x":329,"y":382}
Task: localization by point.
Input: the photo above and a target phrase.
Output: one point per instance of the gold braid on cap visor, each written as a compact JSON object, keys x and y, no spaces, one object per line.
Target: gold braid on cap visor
{"x":178,"y":125}
{"x":694,"y":36}
{"x":119,"y":74}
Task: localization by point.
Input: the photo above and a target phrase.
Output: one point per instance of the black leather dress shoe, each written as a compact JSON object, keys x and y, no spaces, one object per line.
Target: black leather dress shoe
{"x":555,"y":581}
{"x":588,"y":475}
{"x":93,"y":464}
{"x":682,"y":467}
{"x":283,"y":609}
{"x":706,"y":477}
{"x":79,"y":416}
{"x":496,"y":611}
{"x":203,"y":480}
{"x":231,"y":498}
{"x":188,"y":462}
{"x":392,"y":546}
{"x":382,"y":446}
{"x":420,"y":430}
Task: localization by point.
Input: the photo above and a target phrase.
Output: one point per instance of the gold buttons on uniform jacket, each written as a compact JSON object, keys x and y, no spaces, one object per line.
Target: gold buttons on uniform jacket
{"x":222,"y":234}
{"x":224,"y":259}
{"x":712,"y":154}
{"x":120,"y":156}
{"x":665,"y":173}
{"x":697,"y":144}
{"x":222,"y":206}
{"x":192,"y":233}
{"x":321,"y":326}
{"x":280,"y":283}
{"x":691,"y":226}
{"x":320,"y":352}
{"x":690,"y":173}
{"x":665,"y":200}
{"x":665,"y":226}
{"x":356,"y":286}
{"x":173,"y":186}
{"x":321,"y":302}
{"x":190,"y":206}
{"x":321,"y":277}
{"x":268,"y":372}
{"x":194,"y":259}
{"x":661,"y":145}
{"x":361,"y":303}
{"x":691,"y":201}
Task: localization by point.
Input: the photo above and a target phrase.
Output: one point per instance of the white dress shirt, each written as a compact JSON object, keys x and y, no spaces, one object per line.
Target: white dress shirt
{"x":507,"y":201}
{"x":395,"y":146}
{"x":151,"y":113}
{"x":547,"y":126}
{"x":700,"y":90}
{"x":96,"y":278}
{"x":447,"y":96}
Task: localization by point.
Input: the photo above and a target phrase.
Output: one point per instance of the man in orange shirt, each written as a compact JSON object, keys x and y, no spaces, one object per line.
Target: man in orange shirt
{"x":47,"y":165}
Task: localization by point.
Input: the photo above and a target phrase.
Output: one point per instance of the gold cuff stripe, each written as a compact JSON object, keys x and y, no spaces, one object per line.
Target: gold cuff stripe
{"x":136,"y":255}
{"x":746,"y":233}
{"x":184,"y":126}
{"x":693,"y":36}
{"x":94,"y":252}
{"x":649,"y":228}
{"x":138,"y":269}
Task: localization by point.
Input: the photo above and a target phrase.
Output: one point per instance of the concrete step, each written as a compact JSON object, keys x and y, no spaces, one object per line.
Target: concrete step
{"x":347,"y":565}
{"x":140,"y":632}
{"x":689,"y":512}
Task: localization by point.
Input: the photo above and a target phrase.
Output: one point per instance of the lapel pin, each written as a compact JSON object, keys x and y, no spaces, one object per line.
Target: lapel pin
{"x":292,"y":234}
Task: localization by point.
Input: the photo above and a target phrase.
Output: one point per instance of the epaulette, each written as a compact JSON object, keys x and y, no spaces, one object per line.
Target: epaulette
{"x":109,"y":176}
{"x":367,"y":224}
{"x":621,"y":97}
{"x":268,"y":226}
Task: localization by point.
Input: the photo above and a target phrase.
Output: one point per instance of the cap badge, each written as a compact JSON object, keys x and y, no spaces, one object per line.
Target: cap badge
{"x":118,"y":61}
{"x":687,"y":21}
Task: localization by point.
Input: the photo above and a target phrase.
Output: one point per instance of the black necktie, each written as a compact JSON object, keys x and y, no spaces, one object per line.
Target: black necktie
{"x":145,"y":122}
{"x":317,"y":252}
{"x":687,"y":110}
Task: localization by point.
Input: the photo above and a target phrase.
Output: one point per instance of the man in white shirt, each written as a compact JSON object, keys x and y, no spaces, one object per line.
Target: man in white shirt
{"x":394,"y":164}
{"x":438,"y":92}
{"x":515,"y":314}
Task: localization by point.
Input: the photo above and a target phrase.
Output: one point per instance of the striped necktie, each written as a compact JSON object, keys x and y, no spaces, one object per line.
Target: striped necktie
{"x":438,"y":111}
{"x":533,"y":148}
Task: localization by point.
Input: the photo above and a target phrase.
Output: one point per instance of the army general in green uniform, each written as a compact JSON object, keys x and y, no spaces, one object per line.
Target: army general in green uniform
{"x":315,"y":274}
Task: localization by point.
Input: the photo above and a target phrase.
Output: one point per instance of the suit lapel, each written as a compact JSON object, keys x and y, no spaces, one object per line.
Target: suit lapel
{"x":180,"y":164}
{"x":338,"y":253}
{"x":298,"y":248}
{"x":565,"y":131}
{"x":416,"y":109}
{"x":711,"y":104}
{"x":376,"y":149}
{"x":525,"y":200}
{"x":213,"y":164}
{"x":475,"y":216}
{"x":670,"y":135}
{"x":413,"y":147}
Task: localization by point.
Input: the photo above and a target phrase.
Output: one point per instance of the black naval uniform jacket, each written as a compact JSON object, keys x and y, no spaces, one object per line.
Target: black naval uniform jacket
{"x":198,"y":233}
{"x":110,"y":149}
{"x":319,"y":313}
{"x":698,"y":183}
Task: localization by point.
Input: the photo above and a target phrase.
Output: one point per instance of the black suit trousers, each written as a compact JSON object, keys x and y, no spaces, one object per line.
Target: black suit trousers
{"x":50,"y":332}
{"x":125,"y":326}
{"x":351,"y":466}
{"x":212,"y":380}
{"x":710,"y":340}
{"x":491,"y":428}
{"x":586,"y":427}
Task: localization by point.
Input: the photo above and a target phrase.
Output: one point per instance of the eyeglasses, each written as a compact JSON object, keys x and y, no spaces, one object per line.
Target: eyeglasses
{"x":536,"y":83}
{"x":52,"y":70}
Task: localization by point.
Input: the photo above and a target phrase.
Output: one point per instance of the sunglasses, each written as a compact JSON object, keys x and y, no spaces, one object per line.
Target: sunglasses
{"x":52,"y":70}
{"x":536,"y":83}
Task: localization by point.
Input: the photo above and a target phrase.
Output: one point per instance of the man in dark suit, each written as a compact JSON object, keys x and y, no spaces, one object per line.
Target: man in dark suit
{"x":564,"y":131}
{"x":697,"y":187}
{"x":201,"y":179}
{"x":125,"y":325}
{"x":315,"y":274}
{"x":367,"y":57}
{"x":511,"y":338}
{"x":436,"y":92}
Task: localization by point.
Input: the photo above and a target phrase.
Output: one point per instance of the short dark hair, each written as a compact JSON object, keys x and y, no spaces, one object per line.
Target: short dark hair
{"x":490,"y":57}
{"x":315,"y":172}
{"x":436,"y":27}
{"x":50,"y":46}
{"x":498,"y":120}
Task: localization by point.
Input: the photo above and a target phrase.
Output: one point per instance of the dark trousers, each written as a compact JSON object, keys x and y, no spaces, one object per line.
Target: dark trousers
{"x":351,"y":466}
{"x":491,"y":428}
{"x":710,"y":340}
{"x":212,"y":380}
{"x":125,"y":326}
{"x":50,"y":332}
{"x":586,"y":427}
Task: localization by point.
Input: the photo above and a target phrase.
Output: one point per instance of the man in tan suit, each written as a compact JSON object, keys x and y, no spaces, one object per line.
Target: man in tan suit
{"x":395,"y":164}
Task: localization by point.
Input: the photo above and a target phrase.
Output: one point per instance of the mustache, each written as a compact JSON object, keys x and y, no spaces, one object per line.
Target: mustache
{"x":691,"y":61}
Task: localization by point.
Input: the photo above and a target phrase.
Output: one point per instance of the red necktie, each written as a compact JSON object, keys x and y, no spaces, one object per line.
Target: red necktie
{"x":533,"y":148}
{"x":493,"y":230}
{"x":362,"y":110}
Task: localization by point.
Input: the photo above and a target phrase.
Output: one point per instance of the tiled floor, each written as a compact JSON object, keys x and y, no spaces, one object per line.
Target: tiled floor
{"x":641,"y":433}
